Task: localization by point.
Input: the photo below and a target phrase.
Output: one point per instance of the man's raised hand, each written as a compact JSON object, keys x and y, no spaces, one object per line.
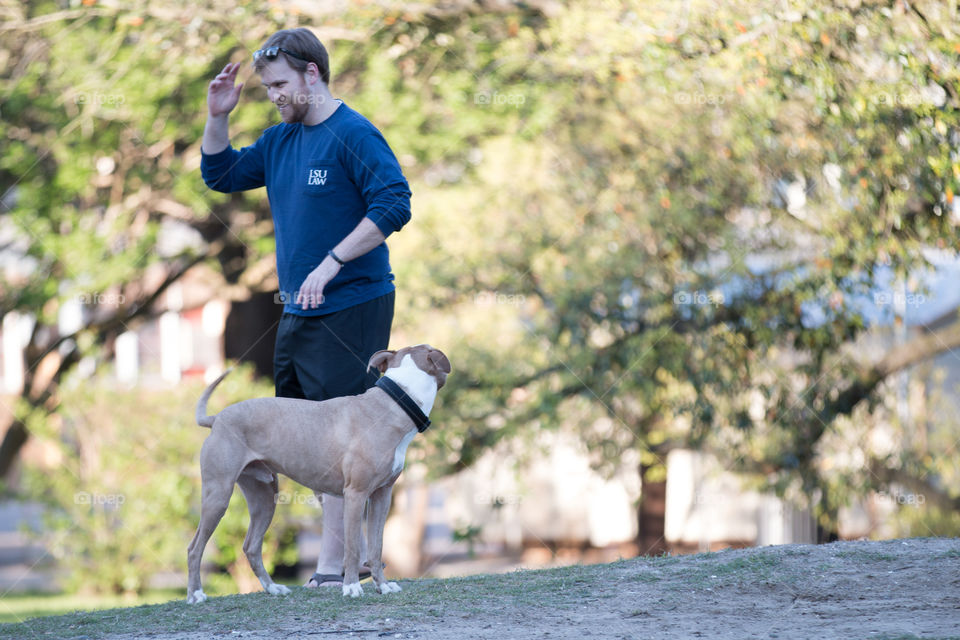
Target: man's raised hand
{"x":222,"y":95}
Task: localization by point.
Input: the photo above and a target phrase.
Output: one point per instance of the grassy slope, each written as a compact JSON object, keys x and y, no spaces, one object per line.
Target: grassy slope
{"x":429,"y":602}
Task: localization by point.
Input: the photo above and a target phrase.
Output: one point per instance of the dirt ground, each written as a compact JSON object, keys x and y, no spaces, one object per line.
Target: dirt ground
{"x":892,"y":589}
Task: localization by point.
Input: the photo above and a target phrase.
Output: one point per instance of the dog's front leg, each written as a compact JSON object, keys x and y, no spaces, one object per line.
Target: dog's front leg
{"x":376,"y":519}
{"x":353,"y":502}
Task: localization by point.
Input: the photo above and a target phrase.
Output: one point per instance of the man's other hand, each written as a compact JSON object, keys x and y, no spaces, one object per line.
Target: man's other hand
{"x":310,"y":295}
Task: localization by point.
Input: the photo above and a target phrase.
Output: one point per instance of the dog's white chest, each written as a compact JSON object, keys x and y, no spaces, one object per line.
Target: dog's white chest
{"x":400,"y":453}
{"x":420,"y":386}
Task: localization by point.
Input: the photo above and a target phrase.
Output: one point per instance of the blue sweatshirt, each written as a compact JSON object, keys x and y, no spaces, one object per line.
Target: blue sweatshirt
{"x":321,"y":180}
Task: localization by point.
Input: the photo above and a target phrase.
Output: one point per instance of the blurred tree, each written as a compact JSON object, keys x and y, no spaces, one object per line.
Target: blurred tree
{"x":675,"y":236}
{"x":103,"y":110}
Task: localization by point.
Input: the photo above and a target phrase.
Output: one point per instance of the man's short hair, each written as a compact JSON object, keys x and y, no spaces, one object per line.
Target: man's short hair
{"x":302,"y":42}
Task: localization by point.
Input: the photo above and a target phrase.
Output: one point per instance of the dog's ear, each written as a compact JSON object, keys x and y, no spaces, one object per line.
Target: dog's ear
{"x":380,"y":360}
{"x":439,"y":360}
{"x":440,"y":365}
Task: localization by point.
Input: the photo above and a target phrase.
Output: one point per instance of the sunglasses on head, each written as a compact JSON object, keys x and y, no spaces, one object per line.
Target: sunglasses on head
{"x":271,"y":53}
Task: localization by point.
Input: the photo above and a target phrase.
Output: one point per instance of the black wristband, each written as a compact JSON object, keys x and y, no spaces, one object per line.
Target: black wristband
{"x":335,"y":257}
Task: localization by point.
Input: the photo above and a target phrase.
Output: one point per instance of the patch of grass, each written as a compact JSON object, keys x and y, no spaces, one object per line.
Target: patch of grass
{"x":715,"y":570}
{"x":425,"y":603}
{"x":23,"y":606}
{"x":235,"y":612}
{"x":749,"y":566}
{"x":910,"y":636}
{"x":417,"y":603}
{"x":866,"y":556}
{"x":946,"y":555}
{"x":647,"y":578}
{"x":665,"y":559}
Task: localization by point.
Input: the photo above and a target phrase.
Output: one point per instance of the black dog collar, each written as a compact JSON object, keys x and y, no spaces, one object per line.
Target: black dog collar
{"x":406,"y":402}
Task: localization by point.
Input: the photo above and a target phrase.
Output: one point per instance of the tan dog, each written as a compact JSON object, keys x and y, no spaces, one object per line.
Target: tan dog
{"x":352,"y":446}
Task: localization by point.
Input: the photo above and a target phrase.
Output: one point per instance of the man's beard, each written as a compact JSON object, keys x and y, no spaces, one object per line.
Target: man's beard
{"x":295,"y":110}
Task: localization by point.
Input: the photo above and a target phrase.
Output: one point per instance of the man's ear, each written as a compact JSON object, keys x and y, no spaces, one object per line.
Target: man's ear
{"x":380,"y":360}
{"x":312,"y":73}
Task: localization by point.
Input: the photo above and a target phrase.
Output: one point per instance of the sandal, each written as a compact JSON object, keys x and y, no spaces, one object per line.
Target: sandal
{"x":334,"y":580}
{"x":325,"y":580}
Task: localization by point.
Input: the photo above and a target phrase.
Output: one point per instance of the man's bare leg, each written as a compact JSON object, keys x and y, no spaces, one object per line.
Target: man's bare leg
{"x":330,"y":562}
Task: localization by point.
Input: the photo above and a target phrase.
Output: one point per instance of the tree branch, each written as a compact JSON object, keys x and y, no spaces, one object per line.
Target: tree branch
{"x":17,"y":434}
{"x":918,"y":486}
{"x":901,"y":357}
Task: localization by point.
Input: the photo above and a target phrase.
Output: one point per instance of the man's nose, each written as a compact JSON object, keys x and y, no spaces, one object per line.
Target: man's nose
{"x":272,"y":95}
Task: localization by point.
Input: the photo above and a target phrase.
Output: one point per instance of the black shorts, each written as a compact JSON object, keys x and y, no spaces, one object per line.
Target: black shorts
{"x":322,"y":357}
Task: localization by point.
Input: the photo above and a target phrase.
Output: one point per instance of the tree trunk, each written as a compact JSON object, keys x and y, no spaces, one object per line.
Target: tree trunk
{"x":251,"y":331}
{"x":13,"y":441}
{"x":651,"y":515}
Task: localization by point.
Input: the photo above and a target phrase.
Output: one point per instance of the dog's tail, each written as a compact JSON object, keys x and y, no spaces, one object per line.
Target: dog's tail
{"x":202,"y":418}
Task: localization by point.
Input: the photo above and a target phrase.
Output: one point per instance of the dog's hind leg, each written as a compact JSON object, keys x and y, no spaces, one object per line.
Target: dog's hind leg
{"x":261,"y":498}
{"x":216,"y":498}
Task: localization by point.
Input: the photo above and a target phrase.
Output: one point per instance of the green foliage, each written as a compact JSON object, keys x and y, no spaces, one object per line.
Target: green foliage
{"x":638,"y":251}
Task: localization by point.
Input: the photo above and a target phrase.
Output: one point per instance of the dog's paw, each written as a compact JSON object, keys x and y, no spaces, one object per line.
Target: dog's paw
{"x":196,"y":596}
{"x":352,"y":590}
{"x":389,"y":587}
{"x":278,"y":590}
